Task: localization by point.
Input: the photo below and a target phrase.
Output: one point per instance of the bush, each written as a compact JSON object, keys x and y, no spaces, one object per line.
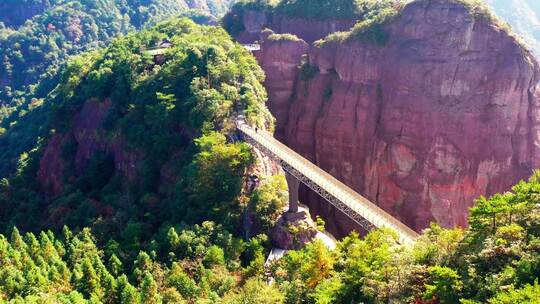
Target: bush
{"x":233,"y":20}
{"x":479,"y":9}
{"x":328,"y":9}
{"x":308,"y":71}
{"x":283,"y":37}
{"x":372,"y":29}
{"x":268,"y":202}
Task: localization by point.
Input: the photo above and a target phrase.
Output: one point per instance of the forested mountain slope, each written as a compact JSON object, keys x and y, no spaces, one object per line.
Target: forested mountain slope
{"x":137,"y":190}
{"x":121,"y":132}
{"x":140,"y":152}
{"x":137,"y":149}
{"x":36,"y":36}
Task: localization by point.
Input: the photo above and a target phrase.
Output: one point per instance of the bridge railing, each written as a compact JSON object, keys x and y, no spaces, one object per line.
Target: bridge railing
{"x":357,"y":207}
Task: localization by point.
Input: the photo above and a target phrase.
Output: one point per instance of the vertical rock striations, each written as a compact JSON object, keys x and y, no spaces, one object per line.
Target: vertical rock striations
{"x":441,"y":112}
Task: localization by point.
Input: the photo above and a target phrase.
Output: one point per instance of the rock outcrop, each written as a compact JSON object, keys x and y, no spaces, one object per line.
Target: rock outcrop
{"x":293,"y":230}
{"x":83,"y":142}
{"x":443,"y":112}
{"x":255,"y":21}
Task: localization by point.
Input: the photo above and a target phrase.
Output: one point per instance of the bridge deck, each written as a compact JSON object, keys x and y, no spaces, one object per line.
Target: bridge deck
{"x":345,"y":195}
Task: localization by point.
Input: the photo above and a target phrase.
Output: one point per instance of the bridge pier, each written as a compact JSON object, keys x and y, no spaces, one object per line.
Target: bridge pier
{"x":363,"y":212}
{"x":294,"y":185}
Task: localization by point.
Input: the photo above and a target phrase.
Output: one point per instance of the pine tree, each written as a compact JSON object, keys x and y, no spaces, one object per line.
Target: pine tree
{"x":143,"y":263}
{"x":67,"y":234}
{"x":16,"y":240}
{"x":149,"y":290}
{"x":126,"y":292}
{"x":89,"y":282}
{"x":115,"y":265}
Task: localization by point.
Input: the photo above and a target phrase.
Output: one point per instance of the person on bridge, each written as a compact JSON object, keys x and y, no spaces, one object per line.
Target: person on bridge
{"x":256,"y":129}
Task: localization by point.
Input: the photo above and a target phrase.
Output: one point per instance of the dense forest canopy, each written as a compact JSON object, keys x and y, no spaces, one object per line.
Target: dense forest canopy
{"x":176,"y":113}
{"x":131,"y":187}
{"x":153,"y":113}
{"x":319,"y":9}
{"x":496,"y":261}
{"x":37,"y":36}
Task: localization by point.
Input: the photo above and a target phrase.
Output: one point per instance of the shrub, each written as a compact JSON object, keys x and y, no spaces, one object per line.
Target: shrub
{"x":268,"y":202}
{"x":373,"y":29}
{"x":330,"y":9}
{"x":308,"y":71}
{"x":479,"y":9}
{"x":283,"y":37}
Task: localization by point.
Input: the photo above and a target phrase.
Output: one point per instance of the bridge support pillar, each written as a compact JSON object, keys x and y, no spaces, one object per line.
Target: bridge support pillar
{"x":294,"y":185}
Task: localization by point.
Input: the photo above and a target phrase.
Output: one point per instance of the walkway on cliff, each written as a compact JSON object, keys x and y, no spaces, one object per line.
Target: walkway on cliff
{"x":355,"y":206}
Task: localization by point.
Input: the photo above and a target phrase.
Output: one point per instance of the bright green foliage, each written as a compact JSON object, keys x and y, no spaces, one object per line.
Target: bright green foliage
{"x":177,"y":115}
{"x":497,"y":260}
{"x":268,"y":202}
{"x":205,"y":263}
{"x":155,"y":115}
{"x":166,"y":226}
{"x":300,"y":272}
{"x":330,"y":9}
{"x":215,"y":178}
{"x":372,"y":28}
{"x":73,"y":270}
{"x":525,"y":295}
{"x":443,"y":284}
{"x":214,"y":256}
{"x":41,"y":36}
{"x":256,"y":292}
{"x":366,"y":265}
{"x":149,"y":291}
{"x":126,"y":292}
{"x":282,"y":37}
{"x":61,"y":28}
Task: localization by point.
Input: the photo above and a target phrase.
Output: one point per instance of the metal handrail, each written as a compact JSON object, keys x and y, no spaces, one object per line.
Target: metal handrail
{"x":340,"y":195}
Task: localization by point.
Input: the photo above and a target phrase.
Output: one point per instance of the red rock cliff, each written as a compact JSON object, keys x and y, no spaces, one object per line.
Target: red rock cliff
{"x":442,"y":113}
{"x":254,"y":22}
{"x":86,"y":138}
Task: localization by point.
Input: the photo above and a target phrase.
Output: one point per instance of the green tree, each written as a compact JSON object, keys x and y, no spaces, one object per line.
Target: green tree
{"x":268,"y":202}
{"x":126,"y":292}
{"x":256,"y":291}
{"x":149,"y":290}
{"x":525,"y":295}
{"x":215,"y":177}
{"x":443,"y":285}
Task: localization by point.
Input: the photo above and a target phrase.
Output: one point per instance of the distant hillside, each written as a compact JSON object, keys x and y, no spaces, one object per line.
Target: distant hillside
{"x":36,"y":36}
{"x":523,"y":16}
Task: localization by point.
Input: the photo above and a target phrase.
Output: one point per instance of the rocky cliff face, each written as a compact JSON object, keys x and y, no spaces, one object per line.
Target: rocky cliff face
{"x":83,"y":142}
{"x":255,"y":21}
{"x":444,"y":112}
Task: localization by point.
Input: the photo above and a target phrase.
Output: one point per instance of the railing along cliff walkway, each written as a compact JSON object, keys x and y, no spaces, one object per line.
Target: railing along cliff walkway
{"x":355,"y":206}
